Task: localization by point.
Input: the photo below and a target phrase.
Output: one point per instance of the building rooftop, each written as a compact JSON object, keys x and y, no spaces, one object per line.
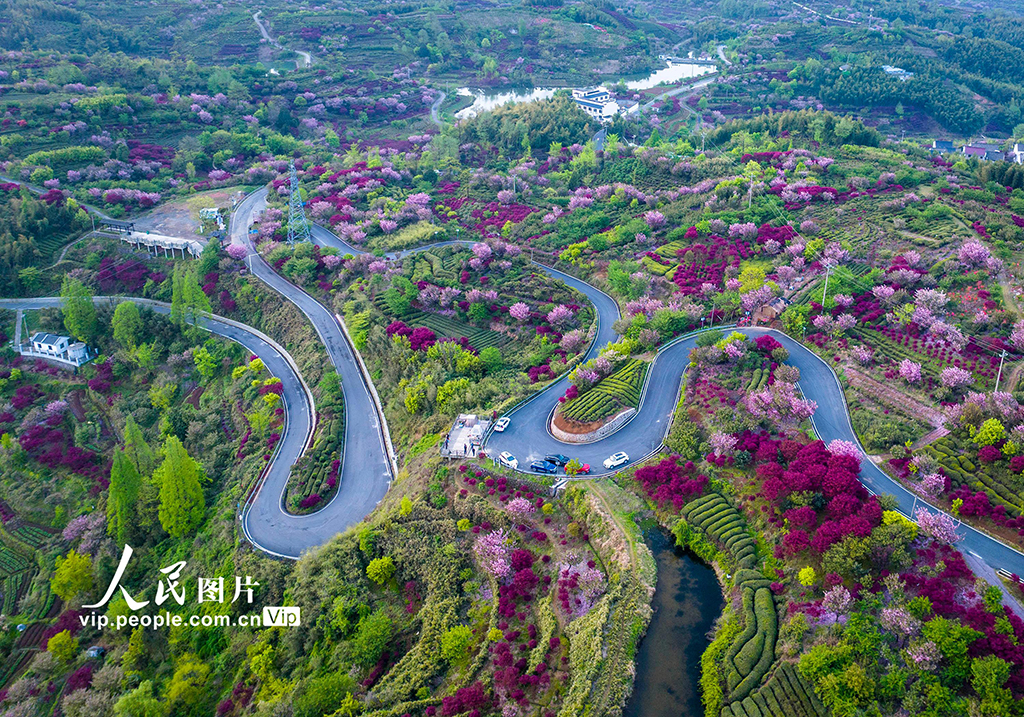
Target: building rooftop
{"x":48,"y":339}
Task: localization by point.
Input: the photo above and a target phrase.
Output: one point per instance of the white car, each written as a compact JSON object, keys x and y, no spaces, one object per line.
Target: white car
{"x":502,"y":424}
{"x":507,"y":459}
{"x":616,"y":459}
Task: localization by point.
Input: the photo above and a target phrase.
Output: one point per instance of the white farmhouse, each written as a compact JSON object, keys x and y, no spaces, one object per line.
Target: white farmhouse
{"x":598,"y":103}
{"x":58,"y":348}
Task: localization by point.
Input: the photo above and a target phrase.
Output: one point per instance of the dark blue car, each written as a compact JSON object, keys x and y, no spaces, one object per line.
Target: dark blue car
{"x":543,"y":467}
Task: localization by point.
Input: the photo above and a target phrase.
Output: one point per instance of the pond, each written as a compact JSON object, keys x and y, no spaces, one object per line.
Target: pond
{"x":483,"y":101}
{"x":687,"y":601}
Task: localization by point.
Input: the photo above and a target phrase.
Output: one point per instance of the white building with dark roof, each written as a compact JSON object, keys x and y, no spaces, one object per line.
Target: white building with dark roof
{"x":59,"y":348}
{"x":598,"y":103}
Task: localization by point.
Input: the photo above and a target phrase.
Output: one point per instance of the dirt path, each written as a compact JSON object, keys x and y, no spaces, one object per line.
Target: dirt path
{"x":76,"y":406}
{"x":892,"y":397}
{"x":598,"y":491}
{"x":1011,"y":299}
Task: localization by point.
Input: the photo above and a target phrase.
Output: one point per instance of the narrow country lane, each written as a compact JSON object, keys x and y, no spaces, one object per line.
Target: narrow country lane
{"x":365,"y":471}
{"x":298,"y":403}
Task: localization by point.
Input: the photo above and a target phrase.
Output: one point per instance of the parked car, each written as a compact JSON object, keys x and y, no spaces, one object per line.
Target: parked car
{"x":543,"y":467}
{"x":502,"y":424}
{"x":507,"y":459}
{"x":585,"y":470}
{"x":616,"y":459}
{"x":557,"y":458}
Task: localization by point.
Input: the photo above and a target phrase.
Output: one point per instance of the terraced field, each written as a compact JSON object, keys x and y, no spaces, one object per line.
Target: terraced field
{"x":614,"y":393}
{"x":443,"y":326}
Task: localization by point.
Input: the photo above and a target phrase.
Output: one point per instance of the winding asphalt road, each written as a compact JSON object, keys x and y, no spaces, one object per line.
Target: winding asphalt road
{"x":528,"y":438}
{"x":298,"y":405}
{"x":366,"y":470}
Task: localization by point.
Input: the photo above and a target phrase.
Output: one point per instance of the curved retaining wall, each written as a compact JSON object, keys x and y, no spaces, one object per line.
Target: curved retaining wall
{"x":605,"y":430}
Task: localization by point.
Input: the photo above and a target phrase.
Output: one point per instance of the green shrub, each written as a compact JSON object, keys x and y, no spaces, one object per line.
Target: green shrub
{"x":371,"y":639}
{"x":323,"y":695}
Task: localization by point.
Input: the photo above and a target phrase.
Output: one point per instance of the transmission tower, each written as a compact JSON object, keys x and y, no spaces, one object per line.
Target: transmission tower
{"x":298,"y":225}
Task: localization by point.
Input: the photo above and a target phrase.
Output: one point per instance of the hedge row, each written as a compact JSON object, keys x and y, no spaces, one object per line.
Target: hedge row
{"x":723,"y":524}
{"x":785,"y":694}
{"x":759,"y":379}
{"x":949,"y":452}
{"x":620,"y":390}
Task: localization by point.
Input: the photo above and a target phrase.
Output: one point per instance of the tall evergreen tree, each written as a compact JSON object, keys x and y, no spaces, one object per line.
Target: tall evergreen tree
{"x":209,"y":258}
{"x":180,"y":477}
{"x":79,"y":311}
{"x":196,"y":302}
{"x":178,"y":295}
{"x":137,"y":450}
{"x":188,"y":302}
{"x":127,"y":324}
{"x":125,"y":485}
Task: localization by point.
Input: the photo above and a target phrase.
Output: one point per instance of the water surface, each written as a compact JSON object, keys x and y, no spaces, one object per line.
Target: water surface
{"x":488,"y":100}
{"x":687,"y":601}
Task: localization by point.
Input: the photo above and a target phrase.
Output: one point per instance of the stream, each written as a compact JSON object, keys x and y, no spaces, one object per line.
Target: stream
{"x":687,"y":601}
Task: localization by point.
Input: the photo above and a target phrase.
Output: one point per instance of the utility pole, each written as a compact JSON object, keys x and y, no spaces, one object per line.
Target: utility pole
{"x":824,"y":293}
{"x":1000,"y":374}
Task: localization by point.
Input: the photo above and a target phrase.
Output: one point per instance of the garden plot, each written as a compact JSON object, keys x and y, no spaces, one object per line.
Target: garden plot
{"x":619,"y":391}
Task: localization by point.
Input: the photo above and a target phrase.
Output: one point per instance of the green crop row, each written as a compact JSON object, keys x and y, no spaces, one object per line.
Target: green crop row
{"x":430,"y":267}
{"x":949,"y":452}
{"x":11,"y":562}
{"x":724,"y":524}
{"x":654,"y":267}
{"x":620,"y":390}
{"x":479,"y":338}
{"x":12,"y":587}
{"x":311,"y":473}
{"x":751,"y":655}
{"x":897,"y":352}
{"x":785,"y":694}
{"x":31,"y":535}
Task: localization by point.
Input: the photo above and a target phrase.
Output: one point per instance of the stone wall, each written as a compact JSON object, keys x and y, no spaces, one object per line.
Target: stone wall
{"x":603,"y":432}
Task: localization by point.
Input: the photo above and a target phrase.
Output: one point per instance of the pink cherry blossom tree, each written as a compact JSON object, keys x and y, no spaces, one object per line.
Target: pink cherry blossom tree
{"x":939,"y":526}
{"x":910,"y":371}
{"x":561,"y":315}
{"x":722,"y":443}
{"x":519,"y":311}
{"x":492,"y":553}
{"x":955,"y":377}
